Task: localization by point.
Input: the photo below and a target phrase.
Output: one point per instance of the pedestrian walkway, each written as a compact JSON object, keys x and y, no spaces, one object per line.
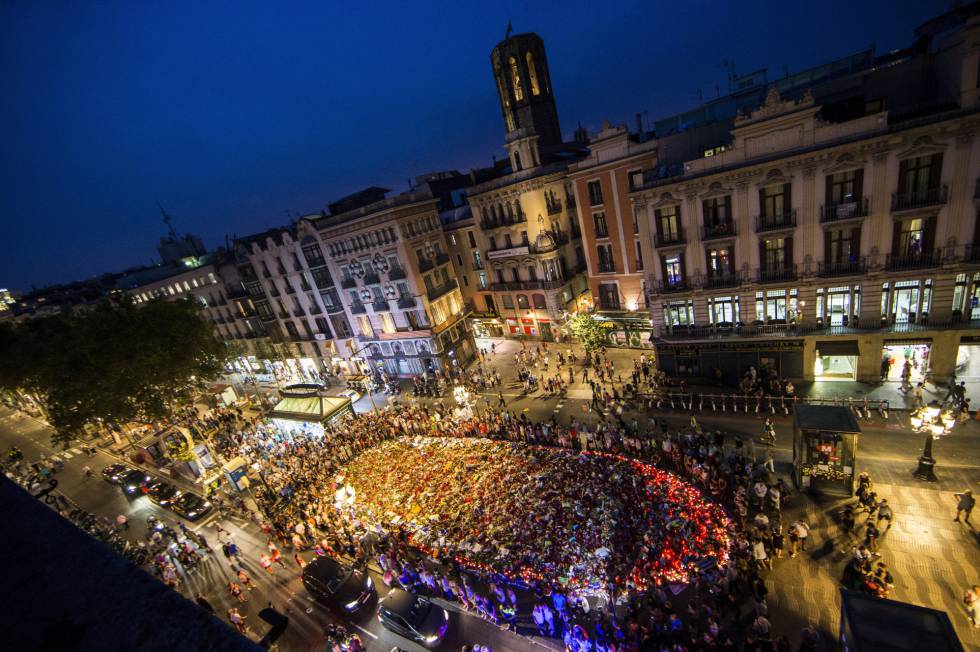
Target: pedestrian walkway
{"x":933,"y":560}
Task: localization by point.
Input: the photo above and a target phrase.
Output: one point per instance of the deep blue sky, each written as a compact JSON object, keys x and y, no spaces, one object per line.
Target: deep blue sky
{"x":232,"y":114}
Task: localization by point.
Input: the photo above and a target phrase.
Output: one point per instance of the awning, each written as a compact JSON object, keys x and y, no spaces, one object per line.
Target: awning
{"x":838,"y":347}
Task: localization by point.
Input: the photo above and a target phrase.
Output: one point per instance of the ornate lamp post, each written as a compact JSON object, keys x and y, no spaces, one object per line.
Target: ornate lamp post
{"x":935,"y":423}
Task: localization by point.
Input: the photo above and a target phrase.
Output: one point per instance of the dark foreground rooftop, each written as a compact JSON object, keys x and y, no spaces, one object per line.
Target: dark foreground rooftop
{"x":63,"y":590}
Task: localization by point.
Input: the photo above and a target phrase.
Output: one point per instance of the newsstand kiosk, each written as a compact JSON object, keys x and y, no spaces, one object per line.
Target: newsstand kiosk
{"x":825,"y":441}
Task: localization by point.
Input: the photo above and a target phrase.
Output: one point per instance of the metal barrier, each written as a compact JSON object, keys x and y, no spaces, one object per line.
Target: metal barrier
{"x":746,"y":404}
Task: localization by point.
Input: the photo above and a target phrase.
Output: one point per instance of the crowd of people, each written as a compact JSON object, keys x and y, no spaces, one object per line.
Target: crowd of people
{"x":302,"y":498}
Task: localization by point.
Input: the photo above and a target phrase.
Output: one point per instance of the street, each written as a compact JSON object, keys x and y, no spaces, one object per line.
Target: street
{"x":933,"y":558}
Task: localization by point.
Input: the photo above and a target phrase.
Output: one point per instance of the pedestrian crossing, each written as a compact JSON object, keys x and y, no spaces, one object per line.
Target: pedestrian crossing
{"x":70,"y":453}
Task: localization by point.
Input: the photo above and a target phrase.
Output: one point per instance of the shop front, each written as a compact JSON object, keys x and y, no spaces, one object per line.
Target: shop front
{"x":825,"y":441}
{"x":895,"y":353}
{"x":729,"y":361}
{"x":836,"y":360}
{"x":968,"y":358}
{"x":627,"y":329}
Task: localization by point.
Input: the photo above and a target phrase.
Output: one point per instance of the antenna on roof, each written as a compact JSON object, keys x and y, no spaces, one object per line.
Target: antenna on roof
{"x":166,"y":220}
{"x":510,"y":28}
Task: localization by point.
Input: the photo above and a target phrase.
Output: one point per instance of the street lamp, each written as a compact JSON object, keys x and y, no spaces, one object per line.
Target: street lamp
{"x":931,"y":420}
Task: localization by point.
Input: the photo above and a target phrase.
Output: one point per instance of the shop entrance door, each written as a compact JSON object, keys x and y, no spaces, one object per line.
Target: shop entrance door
{"x":916,"y":354}
{"x":905,"y":304}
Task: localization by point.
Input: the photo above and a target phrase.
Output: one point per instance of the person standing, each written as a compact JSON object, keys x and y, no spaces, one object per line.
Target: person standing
{"x":964,"y":505}
{"x":972,"y":601}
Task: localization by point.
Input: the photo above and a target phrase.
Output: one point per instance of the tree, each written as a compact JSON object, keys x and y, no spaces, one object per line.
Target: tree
{"x":588,"y":331}
{"x":116,"y":363}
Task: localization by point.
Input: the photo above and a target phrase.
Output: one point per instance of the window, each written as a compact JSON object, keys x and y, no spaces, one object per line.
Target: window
{"x":606,"y":263}
{"x":636,"y":221}
{"x":595,"y":193}
{"x":635,"y":179}
{"x":291,"y":329}
{"x":508,"y":301}
{"x":388,"y":323}
{"x":668,"y":224}
{"x":321,"y":326}
{"x":639,"y":256}
{"x":508,"y":242}
{"x":774,"y":258}
{"x":522,"y":302}
{"x":723,"y":311}
{"x":775,"y":200}
{"x":459,"y":260}
{"x":321,"y":277}
{"x":452,"y":239}
{"x":844,"y":187}
{"x":919,"y":175}
{"x":364,"y":324}
{"x":842,"y":246}
{"x":609,"y":296}
{"x":539,"y":302}
{"x":910,"y":237}
{"x":469,"y":235}
{"x":601,"y":228}
{"x":720,"y":262}
{"x":532,"y":75}
{"x":776,"y":306}
{"x":717,"y":211}
{"x":679,"y":313}
{"x":834,"y":305}
{"x":673,"y":270}
{"x":477,"y":260}
{"x":515,"y":80}
{"x":482,"y":281}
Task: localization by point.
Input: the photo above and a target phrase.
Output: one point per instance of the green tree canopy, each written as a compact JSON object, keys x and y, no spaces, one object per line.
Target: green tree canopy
{"x":117,"y":362}
{"x":588,"y":331}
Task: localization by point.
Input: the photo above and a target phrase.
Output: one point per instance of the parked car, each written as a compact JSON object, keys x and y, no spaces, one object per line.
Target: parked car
{"x":114,"y":473}
{"x":161,"y":492}
{"x":413,"y":616}
{"x":134,"y":482}
{"x":337,"y":584}
{"x":190,"y":506}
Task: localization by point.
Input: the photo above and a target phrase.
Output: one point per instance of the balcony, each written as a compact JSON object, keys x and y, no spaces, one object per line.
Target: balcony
{"x":406,"y":303}
{"x":299,"y":312}
{"x":283,"y":314}
{"x":357,"y":308}
{"x":669,"y":239}
{"x":348,"y":283}
{"x":767,"y":275}
{"x":556,"y":239}
{"x":722,"y":280}
{"x":842,"y":268}
{"x":513,"y":286}
{"x":919,"y":260}
{"x":742,"y":330}
{"x":488,"y":225}
{"x":442,"y":259}
{"x":554,"y":208}
{"x":443,"y":289}
{"x":381,"y":305}
{"x":668,"y":286}
{"x":396,"y":274}
{"x":718,"y":231}
{"x":844,"y":210}
{"x":610,"y":306}
{"x":786,"y":220}
{"x":333,"y":309}
{"x":904,"y":201}
{"x":426,"y":264}
{"x":290,"y":289}
{"x":315,"y":262}
{"x":493,"y":254}
{"x":371,"y":279}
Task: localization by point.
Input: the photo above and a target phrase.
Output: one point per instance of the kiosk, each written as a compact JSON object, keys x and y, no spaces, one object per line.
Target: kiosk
{"x":303,"y":408}
{"x":869,"y":624}
{"x":825,"y":440}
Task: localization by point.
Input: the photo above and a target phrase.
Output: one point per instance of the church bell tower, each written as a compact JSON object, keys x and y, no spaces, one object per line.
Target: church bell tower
{"x":520,"y":69}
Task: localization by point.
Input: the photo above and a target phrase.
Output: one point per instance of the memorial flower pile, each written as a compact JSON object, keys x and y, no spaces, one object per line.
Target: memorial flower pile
{"x":586,"y":521}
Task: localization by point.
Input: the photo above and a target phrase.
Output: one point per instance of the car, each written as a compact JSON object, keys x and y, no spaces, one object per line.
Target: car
{"x":114,"y":473}
{"x":337,"y":584}
{"x":161,"y":492}
{"x":190,"y":506}
{"x":133,"y":482}
{"x":413,"y":616}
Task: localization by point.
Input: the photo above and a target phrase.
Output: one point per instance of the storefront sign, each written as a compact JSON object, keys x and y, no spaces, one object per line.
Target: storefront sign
{"x":746,"y":347}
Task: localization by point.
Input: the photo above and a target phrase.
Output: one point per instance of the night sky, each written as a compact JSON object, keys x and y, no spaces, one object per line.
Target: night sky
{"x":236,"y":116}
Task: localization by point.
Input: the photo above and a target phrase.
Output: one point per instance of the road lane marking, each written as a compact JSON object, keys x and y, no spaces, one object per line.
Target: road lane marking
{"x":371,"y":634}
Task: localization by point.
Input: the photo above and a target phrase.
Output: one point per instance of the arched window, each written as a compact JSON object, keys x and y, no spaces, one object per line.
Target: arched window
{"x":517,"y":162}
{"x":515,"y":78}
{"x":532,"y":75}
{"x":522,"y":301}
